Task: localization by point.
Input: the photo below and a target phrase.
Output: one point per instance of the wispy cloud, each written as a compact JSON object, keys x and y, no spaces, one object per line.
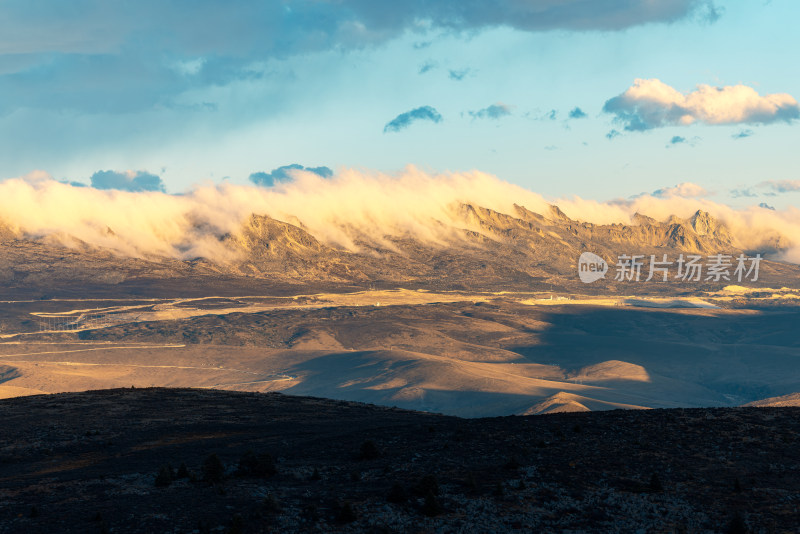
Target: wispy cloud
{"x":404,"y":120}
{"x":612,"y":134}
{"x":135,"y":181}
{"x":539,"y":115}
{"x":743,"y":193}
{"x":283,"y":174}
{"x":426,"y":67}
{"x":678,"y":140}
{"x":741,"y":134}
{"x":458,"y":75}
{"x":649,"y":104}
{"x":781,"y":186}
{"x":495,"y":111}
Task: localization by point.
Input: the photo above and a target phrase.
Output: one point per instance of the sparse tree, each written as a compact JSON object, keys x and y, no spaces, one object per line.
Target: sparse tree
{"x":164,"y":477}
{"x":213,"y":469}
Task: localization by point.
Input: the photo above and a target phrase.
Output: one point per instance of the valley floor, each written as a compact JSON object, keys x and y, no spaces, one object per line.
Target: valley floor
{"x":465,"y":354}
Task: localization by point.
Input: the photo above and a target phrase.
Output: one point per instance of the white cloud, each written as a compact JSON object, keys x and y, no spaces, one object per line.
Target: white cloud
{"x":650,"y":103}
{"x":685,"y":190}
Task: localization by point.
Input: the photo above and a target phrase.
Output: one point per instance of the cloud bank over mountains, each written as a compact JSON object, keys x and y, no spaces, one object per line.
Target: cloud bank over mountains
{"x":348,"y":208}
{"x":649,"y":104}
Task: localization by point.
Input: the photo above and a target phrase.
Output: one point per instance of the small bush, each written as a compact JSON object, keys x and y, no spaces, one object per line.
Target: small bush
{"x":397,"y":494}
{"x":164,"y":477}
{"x":213,"y":470}
{"x":655,"y":484}
{"x":426,"y":484}
{"x":369,"y":451}
{"x":311,"y":513}
{"x":271,"y":504}
{"x":512,"y":464}
{"x":431,"y":506}
{"x":261,"y":465}
{"x":499,"y":491}
{"x":315,"y":476}
{"x":736,"y":524}
{"x":471,"y":482}
{"x":345,"y":513}
{"x":237,"y":525}
{"x":183,"y":472}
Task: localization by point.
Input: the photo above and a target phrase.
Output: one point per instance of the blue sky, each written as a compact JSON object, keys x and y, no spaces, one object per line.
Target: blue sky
{"x":198,"y":91}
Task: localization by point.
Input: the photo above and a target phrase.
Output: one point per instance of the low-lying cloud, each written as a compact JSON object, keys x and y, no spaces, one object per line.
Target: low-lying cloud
{"x":404,"y":120}
{"x":344,"y":211}
{"x":649,"y":104}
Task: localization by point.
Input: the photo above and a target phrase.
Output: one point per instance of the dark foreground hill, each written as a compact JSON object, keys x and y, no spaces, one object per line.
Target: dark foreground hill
{"x":161,"y":460}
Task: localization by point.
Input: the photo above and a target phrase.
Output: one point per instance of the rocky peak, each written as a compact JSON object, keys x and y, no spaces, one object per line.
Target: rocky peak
{"x":703,"y":223}
{"x":557,"y":215}
{"x":642,"y":220}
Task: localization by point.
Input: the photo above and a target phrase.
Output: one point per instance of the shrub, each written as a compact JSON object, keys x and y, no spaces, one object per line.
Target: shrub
{"x":397,"y":494}
{"x":261,"y":465}
{"x":655,"y":484}
{"x":164,"y":477}
{"x":237,"y":525}
{"x":213,"y":470}
{"x":183,"y":472}
{"x":499,"y":491}
{"x":736,"y":524}
{"x":271,"y":504}
{"x":431,"y":506}
{"x":345,"y":513}
{"x":426,"y":484}
{"x":310,"y":513}
{"x":369,"y":451}
{"x":512,"y":464}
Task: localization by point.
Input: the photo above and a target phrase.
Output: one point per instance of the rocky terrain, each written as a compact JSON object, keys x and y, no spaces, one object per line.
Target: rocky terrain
{"x":483,"y":250}
{"x":157,"y":460}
